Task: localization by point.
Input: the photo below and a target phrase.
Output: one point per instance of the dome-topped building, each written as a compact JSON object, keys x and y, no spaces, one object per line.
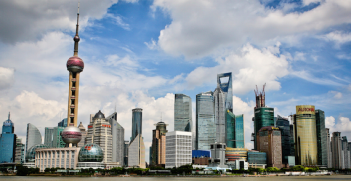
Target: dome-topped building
{"x":99,"y":115}
{"x":90,"y":156}
{"x":30,"y":155}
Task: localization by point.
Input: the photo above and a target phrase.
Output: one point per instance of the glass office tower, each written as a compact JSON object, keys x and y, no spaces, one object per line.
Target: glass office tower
{"x":182,"y":113}
{"x":264,"y":116}
{"x":205,"y":123}
{"x":284,"y":127}
{"x":321,"y":138}
{"x":234,"y":130}
{"x":33,"y":136}
{"x":7,"y":142}
{"x":224,"y":81}
{"x":305,"y":135}
{"x":62,"y":123}
{"x":219,"y":111}
{"x":239,"y":131}
{"x":137,"y":122}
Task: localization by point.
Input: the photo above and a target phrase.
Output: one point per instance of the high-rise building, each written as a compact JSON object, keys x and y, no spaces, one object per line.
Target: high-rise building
{"x":57,"y":138}
{"x":178,"y":148}
{"x":126,"y":146}
{"x":329,"y":153}
{"x":8,"y":142}
{"x":321,"y":139}
{"x":19,"y":155}
{"x":349,"y":149}
{"x":182,"y":113}
{"x":284,"y":126}
{"x":234,"y":130}
{"x":99,"y":132}
{"x":137,"y":122}
{"x":62,"y":123}
{"x":220,"y":111}
{"x":117,"y":139}
{"x":269,"y":141}
{"x":49,"y":136}
{"x":158,"y":150}
{"x":264,"y":116}
{"x":292,"y":141}
{"x":136,"y":151}
{"x":33,"y":136}
{"x":305,"y":135}
{"x":224,"y":81}
{"x":84,"y":134}
{"x":205,"y":123}
{"x":336,"y":150}
{"x":344,"y":147}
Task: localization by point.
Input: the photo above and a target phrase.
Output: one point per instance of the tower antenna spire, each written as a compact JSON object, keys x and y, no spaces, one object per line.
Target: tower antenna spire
{"x":76,"y":37}
{"x":9,"y":116}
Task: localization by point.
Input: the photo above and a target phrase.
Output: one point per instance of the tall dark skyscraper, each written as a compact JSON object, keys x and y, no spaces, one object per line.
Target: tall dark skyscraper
{"x":137,"y":122}
{"x":321,"y":139}
{"x":8,"y":142}
{"x":284,"y":127}
{"x":264,"y":116}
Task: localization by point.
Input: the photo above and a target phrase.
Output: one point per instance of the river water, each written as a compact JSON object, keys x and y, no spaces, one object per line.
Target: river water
{"x":275,"y":178}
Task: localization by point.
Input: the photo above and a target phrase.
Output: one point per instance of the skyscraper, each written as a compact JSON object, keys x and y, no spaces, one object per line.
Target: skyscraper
{"x":126,"y":146}
{"x":99,"y":132}
{"x":48,"y":137}
{"x":239,"y":131}
{"x":219,"y":110}
{"x":19,"y":155}
{"x":284,"y":126}
{"x":264,"y":116}
{"x":234,"y":130}
{"x":62,"y":123}
{"x":269,"y":141}
{"x":8,"y":142}
{"x":336,"y":149}
{"x":33,"y":136}
{"x":182,"y":113}
{"x":329,"y":153}
{"x":117,"y":139}
{"x":321,"y":139}
{"x":205,"y":123}
{"x":84,"y":134}
{"x":178,"y":148}
{"x":346,"y":153}
{"x":137,"y":122}
{"x":224,"y":81}
{"x":136,"y":152}
{"x":158,"y":150}
{"x":305,"y":135}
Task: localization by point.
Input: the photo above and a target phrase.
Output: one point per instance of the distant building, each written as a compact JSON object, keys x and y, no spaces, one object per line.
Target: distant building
{"x":30,"y":155}
{"x":257,"y":159}
{"x":224,"y":81}
{"x":336,"y":148}
{"x":90,"y":156}
{"x":56,"y":158}
{"x":346,"y":153}
{"x":62,"y":123}
{"x":233,"y":154}
{"x":33,"y":136}
{"x":99,"y":132}
{"x":269,"y":141}
{"x":182,"y":113}
{"x":117,"y":139}
{"x":205,"y":123}
{"x":284,"y":127}
{"x":48,"y":136}
{"x":322,"y":154}
{"x":137,"y":123}
{"x":158,"y":151}
{"x":329,"y":152}
{"x":84,"y":135}
{"x":19,"y":155}
{"x":218,"y":155}
{"x":178,"y":148}
{"x":8,"y":142}
{"x":201,"y":157}
{"x":126,"y":146}
{"x":136,"y":152}
{"x":305,"y":135}
{"x":234,"y":130}
{"x":292,"y":141}
{"x":220,"y":111}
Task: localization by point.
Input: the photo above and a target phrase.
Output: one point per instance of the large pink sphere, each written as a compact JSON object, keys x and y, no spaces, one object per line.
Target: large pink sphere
{"x":75,"y":64}
{"x":71,"y":134}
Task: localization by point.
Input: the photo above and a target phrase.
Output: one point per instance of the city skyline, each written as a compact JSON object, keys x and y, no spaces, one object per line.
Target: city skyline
{"x":130,"y":64}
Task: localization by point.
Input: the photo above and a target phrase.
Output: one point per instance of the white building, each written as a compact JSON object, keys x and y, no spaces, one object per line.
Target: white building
{"x":136,"y":152}
{"x":56,"y":157}
{"x":178,"y":148}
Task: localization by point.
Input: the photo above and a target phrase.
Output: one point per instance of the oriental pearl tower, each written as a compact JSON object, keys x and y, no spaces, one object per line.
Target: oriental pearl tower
{"x":71,"y":135}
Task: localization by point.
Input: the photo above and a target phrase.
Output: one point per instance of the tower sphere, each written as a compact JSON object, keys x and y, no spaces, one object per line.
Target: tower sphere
{"x":71,"y":134}
{"x":75,"y":64}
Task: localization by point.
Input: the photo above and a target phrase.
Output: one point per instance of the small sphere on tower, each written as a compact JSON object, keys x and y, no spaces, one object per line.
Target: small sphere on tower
{"x":75,"y":64}
{"x":76,"y":38}
{"x":71,"y":134}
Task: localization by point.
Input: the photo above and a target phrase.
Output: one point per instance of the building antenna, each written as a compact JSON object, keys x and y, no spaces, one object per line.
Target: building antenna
{"x":76,"y":37}
{"x":9,"y":116}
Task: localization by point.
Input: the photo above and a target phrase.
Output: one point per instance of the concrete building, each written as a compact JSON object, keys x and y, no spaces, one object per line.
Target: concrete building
{"x":8,"y":142}
{"x":158,"y":151}
{"x":322,"y":154}
{"x":33,"y":136}
{"x":56,"y":157}
{"x":84,"y":134}
{"x":178,"y":148}
{"x":218,"y":155}
{"x":329,"y":153}
{"x":336,"y":149}
{"x":205,"y":122}
{"x":136,"y":151}
{"x":117,"y":139}
{"x":19,"y":155}
{"x":346,"y":153}
{"x":99,"y":132}
{"x":305,"y":135}
{"x":125,"y":157}
{"x":201,"y":157}
{"x":269,"y":141}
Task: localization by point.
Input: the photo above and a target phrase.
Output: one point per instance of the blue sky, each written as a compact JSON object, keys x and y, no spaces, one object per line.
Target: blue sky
{"x":140,"y":53}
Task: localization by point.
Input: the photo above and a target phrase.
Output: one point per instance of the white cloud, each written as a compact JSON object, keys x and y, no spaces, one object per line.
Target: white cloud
{"x":249,"y":68}
{"x":337,"y":95}
{"x":152,"y":45}
{"x":119,"y":21}
{"x":307,"y":2}
{"x":6,"y":77}
{"x":330,"y":122}
{"x":308,"y":77}
{"x":343,"y":125}
{"x":338,"y":37}
{"x":200,"y":27}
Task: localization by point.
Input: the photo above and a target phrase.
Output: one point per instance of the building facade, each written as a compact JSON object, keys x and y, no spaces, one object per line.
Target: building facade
{"x":99,"y":132}
{"x":33,"y":136}
{"x":117,"y":139}
{"x":234,"y":130}
{"x":137,"y":122}
{"x":8,"y":142}
{"x":220,"y":111}
{"x":346,"y":153}
{"x":62,"y":123}
{"x":218,"y":154}
{"x":305,"y":136}
{"x":264,"y":116}
{"x":269,"y":141}
{"x":126,"y":146}
{"x":178,"y":148}
{"x":257,"y":159}
{"x":224,"y":81}
{"x":329,"y":152}
{"x":158,"y":150}
{"x":205,"y":123}
{"x":236,"y":153}
{"x":19,"y":155}
{"x":56,"y":157}
{"x":84,"y":134}
{"x":322,"y":154}
{"x":284,"y":127}
{"x":182,"y":113}
{"x":136,"y":151}
{"x":336,"y":149}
